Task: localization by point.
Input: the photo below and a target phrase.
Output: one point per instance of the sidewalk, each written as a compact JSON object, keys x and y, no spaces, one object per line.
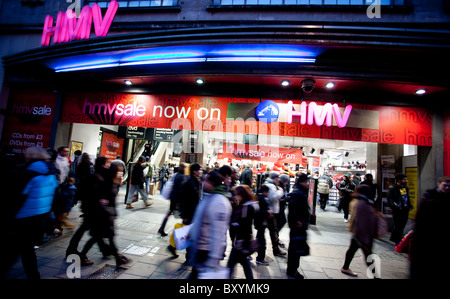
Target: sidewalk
{"x":137,"y":238}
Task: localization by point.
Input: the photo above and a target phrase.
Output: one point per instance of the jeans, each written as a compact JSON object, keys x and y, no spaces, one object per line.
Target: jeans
{"x":238,"y":257}
{"x":136,"y":188}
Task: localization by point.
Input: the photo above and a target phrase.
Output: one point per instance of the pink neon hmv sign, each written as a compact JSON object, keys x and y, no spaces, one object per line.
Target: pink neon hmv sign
{"x":69,"y":27}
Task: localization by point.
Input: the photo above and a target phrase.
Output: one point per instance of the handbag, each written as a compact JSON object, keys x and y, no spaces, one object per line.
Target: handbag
{"x":246,"y":248}
{"x":181,"y":237}
{"x":382,"y":226}
{"x":167,"y":189}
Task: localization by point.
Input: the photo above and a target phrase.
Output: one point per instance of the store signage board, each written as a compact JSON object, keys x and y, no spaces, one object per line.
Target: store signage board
{"x":261,"y":153}
{"x":136,"y":132}
{"x":308,"y":119}
{"x":70,"y":27}
{"x":163,"y":135}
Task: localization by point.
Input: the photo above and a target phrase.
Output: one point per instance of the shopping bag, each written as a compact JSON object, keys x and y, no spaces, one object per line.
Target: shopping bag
{"x":214,"y":273}
{"x":181,"y":237}
{"x":167,"y":189}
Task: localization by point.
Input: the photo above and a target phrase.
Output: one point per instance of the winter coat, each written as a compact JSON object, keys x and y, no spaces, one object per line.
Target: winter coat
{"x":210,"y":225}
{"x":395,"y":198}
{"x":191,"y":191}
{"x":363,"y":220}
{"x":324,"y":185}
{"x":299,"y":211}
{"x":100,"y":205}
{"x":137,"y":175}
{"x":39,"y":191}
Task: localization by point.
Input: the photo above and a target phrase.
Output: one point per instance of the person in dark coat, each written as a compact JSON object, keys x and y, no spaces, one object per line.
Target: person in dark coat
{"x":362,"y":225}
{"x":298,"y":220}
{"x":175,"y":196}
{"x":191,"y":190}
{"x":398,"y":199}
{"x":242,"y":220}
{"x":345,"y":189}
{"x":137,"y":184}
{"x":430,"y":230}
{"x":100,"y":209}
{"x":34,"y":187}
{"x":261,"y":223}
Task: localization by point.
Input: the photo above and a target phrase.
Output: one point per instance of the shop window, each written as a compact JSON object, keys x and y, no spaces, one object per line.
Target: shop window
{"x":136,"y":3}
{"x":308,"y":2}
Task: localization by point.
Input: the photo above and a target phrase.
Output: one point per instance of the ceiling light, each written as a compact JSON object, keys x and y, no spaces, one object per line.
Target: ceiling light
{"x":285,"y":82}
{"x":421,"y":91}
{"x":312,"y":151}
{"x":128,"y":82}
{"x":329,"y":85}
{"x":199,"y":81}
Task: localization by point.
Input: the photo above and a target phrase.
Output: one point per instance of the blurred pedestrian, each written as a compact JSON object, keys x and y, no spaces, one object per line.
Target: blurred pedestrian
{"x":242,"y":220}
{"x":261,"y":220}
{"x":68,"y":192}
{"x":209,"y":230}
{"x":63,"y":164}
{"x":298,"y":219}
{"x":101,"y":209}
{"x":163,"y":176}
{"x":175,"y":196}
{"x":368,"y":180}
{"x":346,"y":187}
{"x":247,"y":176}
{"x":324,"y":184}
{"x":398,"y":199}
{"x":192,"y":193}
{"x":35,"y":188}
{"x":275,"y":194}
{"x":137,"y":184}
{"x":430,"y":229}
{"x":362,"y":225}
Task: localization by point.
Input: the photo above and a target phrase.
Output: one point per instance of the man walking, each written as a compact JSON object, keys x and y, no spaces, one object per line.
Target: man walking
{"x":137,"y":184}
{"x":298,"y":219}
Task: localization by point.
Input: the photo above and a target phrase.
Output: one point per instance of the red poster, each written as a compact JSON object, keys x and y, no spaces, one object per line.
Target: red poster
{"x":29,"y":119}
{"x":261,"y":153}
{"x":111,"y":146}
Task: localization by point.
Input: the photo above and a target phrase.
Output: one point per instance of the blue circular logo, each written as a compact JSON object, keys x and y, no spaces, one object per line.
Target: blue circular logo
{"x":267,"y":111}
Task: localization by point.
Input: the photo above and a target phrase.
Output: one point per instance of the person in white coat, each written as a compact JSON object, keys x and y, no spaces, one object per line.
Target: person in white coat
{"x":275,"y":194}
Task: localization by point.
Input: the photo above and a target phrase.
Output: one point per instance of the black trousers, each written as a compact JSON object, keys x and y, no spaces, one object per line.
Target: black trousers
{"x":400,"y":218}
{"x":354,"y":246}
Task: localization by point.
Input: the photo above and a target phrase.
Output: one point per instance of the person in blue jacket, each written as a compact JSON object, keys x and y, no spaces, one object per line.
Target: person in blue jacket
{"x":37,"y":182}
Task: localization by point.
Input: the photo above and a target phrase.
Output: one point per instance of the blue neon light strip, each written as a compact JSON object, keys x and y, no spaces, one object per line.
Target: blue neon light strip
{"x":189,"y":54}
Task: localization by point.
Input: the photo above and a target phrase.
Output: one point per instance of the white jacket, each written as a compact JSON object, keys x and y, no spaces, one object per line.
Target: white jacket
{"x":275,"y":195}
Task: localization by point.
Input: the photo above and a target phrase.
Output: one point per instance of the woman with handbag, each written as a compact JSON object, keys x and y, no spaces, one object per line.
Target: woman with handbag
{"x":363,"y":225}
{"x":242,"y":220}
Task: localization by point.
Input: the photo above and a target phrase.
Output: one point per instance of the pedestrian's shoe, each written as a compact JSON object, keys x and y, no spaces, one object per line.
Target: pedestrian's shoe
{"x":281,"y":244}
{"x":262,"y":263}
{"x":162,"y":233}
{"x":148,"y":203}
{"x":129,"y":206}
{"x":348,"y":272}
{"x":121,"y":260}
{"x":295,"y":275}
{"x":172,"y":250}
{"x":85,"y":261}
{"x":279,"y":253}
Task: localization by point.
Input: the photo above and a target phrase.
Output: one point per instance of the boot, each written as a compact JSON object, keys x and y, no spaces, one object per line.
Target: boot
{"x":63,"y":219}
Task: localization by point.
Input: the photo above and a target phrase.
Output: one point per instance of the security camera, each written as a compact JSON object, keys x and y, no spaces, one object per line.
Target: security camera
{"x":308,"y":85}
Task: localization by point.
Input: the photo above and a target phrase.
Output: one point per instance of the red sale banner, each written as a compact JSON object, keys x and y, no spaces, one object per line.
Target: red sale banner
{"x":111,"y":146}
{"x":261,"y":153}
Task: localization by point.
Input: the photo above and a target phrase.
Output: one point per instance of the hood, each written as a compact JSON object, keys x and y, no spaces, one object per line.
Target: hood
{"x":39,"y":167}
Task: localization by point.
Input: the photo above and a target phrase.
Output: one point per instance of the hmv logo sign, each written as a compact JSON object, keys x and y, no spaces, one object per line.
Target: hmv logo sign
{"x":27,"y":110}
{"x":77,"y":25}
